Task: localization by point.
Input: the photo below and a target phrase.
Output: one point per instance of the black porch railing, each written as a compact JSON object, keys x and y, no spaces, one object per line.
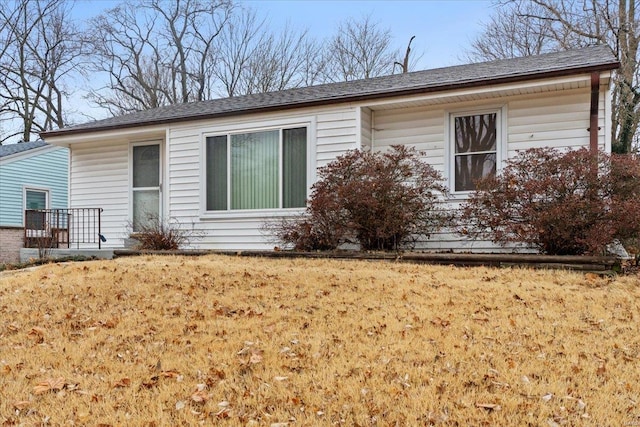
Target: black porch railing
{"x":62,"y":228}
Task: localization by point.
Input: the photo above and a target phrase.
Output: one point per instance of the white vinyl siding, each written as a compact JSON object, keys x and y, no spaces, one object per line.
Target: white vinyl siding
{"x":365,"y":128}
{"x":99,"y":178}
{"x":558,"y":121}
{"x":183,"y":184}
{"x":331,"y":132}
{"x":551,"y":119}
{"x":554,"y":116}
{"x":336,"y":134}
{"x":419,"y":127}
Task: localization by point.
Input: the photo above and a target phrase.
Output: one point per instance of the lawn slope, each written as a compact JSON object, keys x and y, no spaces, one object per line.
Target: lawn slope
{"x":242,"y":341}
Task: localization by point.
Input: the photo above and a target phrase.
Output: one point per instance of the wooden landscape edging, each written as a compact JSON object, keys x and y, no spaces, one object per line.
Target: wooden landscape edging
{"x":565,"y":262}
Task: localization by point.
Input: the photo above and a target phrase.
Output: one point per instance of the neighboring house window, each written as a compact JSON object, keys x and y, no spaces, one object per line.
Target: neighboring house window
{"x":257,"y":170}
{"x":36,"y":199}
{"x":475,"y":148}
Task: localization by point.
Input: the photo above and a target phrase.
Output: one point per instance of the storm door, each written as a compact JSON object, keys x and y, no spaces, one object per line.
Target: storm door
{"x":146,"y":184}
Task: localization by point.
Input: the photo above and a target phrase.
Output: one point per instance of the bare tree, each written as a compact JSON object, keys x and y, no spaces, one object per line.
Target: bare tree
{"x":281,"y":62}
{"x":406,"y":63}
{"x":252,"y":59}
{"x":39,"y":49}
{"x":508,"y":35}
{"x":521,"y":27}
{"x":359,"y":50}
{"x":237,"y":43}
{"x":315,"y":58}
{"x":157,"y":52}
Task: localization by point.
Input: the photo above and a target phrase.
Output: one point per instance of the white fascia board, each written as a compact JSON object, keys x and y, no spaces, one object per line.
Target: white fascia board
{"x":486,"y":90}
{"x":124,"y":134}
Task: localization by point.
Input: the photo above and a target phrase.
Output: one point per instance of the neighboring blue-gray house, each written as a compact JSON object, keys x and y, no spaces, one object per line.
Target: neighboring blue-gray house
{"x":33,"y":175}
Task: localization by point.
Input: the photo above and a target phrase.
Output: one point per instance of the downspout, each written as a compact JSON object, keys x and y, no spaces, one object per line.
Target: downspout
{"x":593,"y":123}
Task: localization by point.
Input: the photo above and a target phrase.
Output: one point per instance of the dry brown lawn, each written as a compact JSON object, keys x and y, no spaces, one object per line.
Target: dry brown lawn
{"x":239,"y":341}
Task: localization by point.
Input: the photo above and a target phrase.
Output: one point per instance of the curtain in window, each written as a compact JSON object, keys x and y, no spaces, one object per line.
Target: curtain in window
{"x":254,"y":170}
{"x":216,"y":173}
{"x":294,"y":165}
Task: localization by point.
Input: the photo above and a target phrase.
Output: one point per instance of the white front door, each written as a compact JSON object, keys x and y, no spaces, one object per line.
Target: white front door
{"x":146,"y":185}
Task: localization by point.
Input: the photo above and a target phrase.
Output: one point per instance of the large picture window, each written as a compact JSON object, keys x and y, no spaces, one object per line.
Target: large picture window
{"x":475,"y":153}
{"x":257,"y":170}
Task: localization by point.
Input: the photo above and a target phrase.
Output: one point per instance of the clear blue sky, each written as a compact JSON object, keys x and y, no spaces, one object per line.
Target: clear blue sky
{"x":443,"y":28}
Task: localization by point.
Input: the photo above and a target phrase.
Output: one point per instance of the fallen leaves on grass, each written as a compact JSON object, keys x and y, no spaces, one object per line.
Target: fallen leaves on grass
{"x":489,"y":406}
{"x":37,"y":334}
{"x":21,"y":404}
{"x":170,"y":374}
{"x":200,"y":395}
{"x":255,"y":354}
{"x":255,"y":358}
{"x":196,"y":341}
{"x":50,"y":384}
{"x":123,"y":382}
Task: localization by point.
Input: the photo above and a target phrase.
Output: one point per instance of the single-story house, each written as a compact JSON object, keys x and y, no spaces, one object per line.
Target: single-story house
{"x":33,"y":175}
{"x":222,"y":167}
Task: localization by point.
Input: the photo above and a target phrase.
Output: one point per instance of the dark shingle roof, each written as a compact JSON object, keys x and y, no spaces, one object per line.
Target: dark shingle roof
{"x":594,"y":58}
{"x":7,"y":150}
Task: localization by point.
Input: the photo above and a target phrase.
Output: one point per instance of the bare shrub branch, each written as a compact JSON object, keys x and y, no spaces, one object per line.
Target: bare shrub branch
{"x":381,"y":201}
{"x":156,"y":233}
{"x":560,"y":203}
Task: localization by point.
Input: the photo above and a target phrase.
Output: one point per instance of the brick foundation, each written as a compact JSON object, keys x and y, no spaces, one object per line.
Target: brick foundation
{"x":11,"y":240}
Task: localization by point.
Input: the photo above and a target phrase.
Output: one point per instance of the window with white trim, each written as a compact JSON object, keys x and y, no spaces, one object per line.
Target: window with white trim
{"x":256,"y":170}
{"x":36,"y":198}
{"x":146,"y":183}
{"x":475,"y":148}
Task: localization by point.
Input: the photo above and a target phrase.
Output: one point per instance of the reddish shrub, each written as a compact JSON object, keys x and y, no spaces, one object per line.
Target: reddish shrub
{"x":382,"y":201}
{"x":560,"y":203}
